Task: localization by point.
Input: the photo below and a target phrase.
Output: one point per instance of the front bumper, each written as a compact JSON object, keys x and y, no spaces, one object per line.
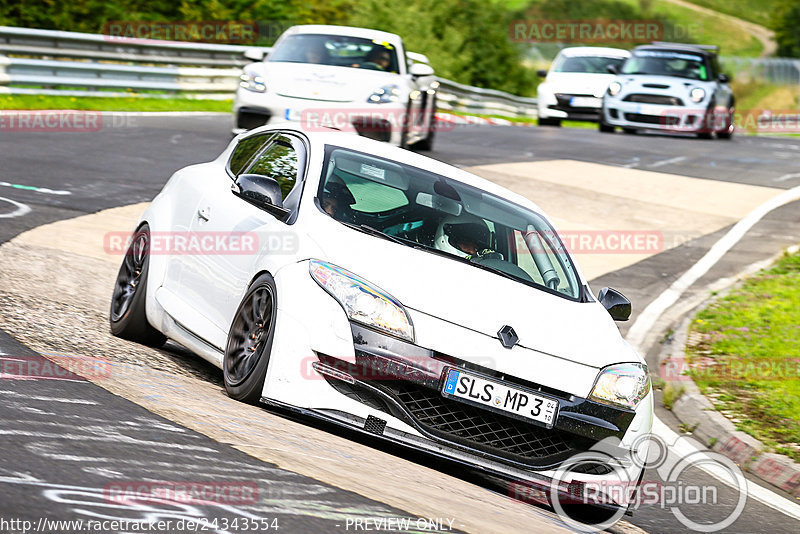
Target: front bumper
{"x":574,"y":107}
{"x":327,"y":367}
{"x":382,"y":122}
{"x":404,"y":380}
{"x":617,"y":112}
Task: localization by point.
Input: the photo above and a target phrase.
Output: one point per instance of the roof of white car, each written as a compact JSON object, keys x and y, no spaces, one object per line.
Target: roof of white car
{"x":577,"y":51}
{"x":394,"y":153}
{"x":352,"y":31}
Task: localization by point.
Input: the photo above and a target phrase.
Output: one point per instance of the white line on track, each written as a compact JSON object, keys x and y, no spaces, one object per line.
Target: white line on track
{"x":666,"y":162}
{"x":683,"y":448}
{"x":787,"y":177}
{"x":35,"y":189}
{"x":21,"y":210}
{"x":648,"y":318}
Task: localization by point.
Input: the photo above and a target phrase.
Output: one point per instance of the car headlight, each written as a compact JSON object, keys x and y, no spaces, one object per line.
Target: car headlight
{"x":614,"y":88}
{"x":623,"y":384}
{"x":363,"y":302}
{"x":385,"y":95}
{"x":697,"y":94}
{"x":252,"y":82}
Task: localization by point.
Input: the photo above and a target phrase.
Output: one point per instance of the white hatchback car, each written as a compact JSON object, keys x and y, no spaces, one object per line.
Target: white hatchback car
{"x":367,"y":285}
{"x":352,"y":79}
{"x":574,"y":86}
{"x":670,"y":87}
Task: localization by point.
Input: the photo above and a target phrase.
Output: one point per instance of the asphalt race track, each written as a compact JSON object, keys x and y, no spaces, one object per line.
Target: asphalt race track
{"x":66,"y":440}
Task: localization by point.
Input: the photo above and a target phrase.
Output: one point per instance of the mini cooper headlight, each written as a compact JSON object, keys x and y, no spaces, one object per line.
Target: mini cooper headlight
{"x":363,"y":302}
{"x":385,"y":95}
{"x":252,"y":82}
{"x":697,"y":94}
{"x":623,"y":384}
{"x":614,"y":88}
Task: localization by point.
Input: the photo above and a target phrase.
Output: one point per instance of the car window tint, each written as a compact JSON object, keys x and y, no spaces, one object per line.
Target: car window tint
{"x":278,"y":161}
{"x":244,"y":152}
{"x":372,"y":197}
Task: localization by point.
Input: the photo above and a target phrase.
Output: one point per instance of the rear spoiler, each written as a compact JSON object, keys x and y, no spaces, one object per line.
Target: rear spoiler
{"x":710,"y":48}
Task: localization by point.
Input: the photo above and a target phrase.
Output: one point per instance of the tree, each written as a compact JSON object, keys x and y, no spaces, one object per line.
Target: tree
{"x":786,"y":22}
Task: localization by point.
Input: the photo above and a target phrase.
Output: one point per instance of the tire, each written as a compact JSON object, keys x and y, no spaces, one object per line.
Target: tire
{"x":727,"y":133}
{"x":426,"y":145}
{"x":548,"y":121}
{"x":629,"y":131}
{"x":127,"y":316}
{"x":404,"y":132}
{"x":605,"y":128}
{"x":247,"y":353}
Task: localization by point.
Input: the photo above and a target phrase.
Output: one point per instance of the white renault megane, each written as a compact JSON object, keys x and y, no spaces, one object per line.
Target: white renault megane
{"x":386,"y":291}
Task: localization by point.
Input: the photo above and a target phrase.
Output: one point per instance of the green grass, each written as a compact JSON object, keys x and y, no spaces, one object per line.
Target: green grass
{"x":732,"y":39}
{"x":92,"y":103}
{"x":747,"y":356}
{"x":689,"y":26}
{"x":758,"y":11}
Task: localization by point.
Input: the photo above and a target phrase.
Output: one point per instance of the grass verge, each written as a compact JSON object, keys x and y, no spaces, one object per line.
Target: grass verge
{"x":99,"y":103}
{"x":745,"y":356}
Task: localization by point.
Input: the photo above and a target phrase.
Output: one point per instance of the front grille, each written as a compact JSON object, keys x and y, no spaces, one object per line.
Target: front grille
{"x":645,"y":119}
{"x":662,"y":100}
{"x":482,"y":429}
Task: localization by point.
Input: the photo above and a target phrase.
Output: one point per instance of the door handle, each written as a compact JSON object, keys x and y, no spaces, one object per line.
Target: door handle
{"x":204,"y":213}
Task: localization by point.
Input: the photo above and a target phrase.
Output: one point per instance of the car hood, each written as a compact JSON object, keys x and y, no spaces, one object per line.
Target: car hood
{"x":323,"y":82}
{"x":479,"y":300}
{"x":579,"y":83}
{"x":663,"y":84}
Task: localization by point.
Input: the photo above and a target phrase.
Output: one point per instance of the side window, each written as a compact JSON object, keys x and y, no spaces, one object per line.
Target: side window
{"x":244,"y":152}
{"x":278,"y":161}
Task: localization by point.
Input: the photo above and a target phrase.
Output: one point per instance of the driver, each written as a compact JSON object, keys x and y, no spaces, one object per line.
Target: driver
{"x":473,"y":239}
{"x":378,"y":58}
{"x":336,"y":200}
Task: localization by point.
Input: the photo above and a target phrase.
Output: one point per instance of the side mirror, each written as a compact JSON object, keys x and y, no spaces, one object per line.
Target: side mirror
{"x":420,"y":69}
{"x":612,"y":69}
{"x":617,"y":304}
{"x":723,"y":78}
{"x":261,"y":191}
{"x":541,"y":73}
{"x":254,"y":54}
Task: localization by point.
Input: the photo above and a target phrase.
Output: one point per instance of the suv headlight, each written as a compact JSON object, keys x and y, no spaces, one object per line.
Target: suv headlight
{"x":614,"y":88}
{"x":697,"y":94}
{"x":252,"y":82}
{"x":623,"y":384}
{"x":363,"y":302}
{"x":385,"y":95}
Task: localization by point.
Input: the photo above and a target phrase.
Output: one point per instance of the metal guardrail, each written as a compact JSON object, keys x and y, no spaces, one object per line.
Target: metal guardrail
{"x":80,"y":64}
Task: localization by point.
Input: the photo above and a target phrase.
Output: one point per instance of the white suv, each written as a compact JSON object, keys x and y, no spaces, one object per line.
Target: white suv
{"x":573,"y":88}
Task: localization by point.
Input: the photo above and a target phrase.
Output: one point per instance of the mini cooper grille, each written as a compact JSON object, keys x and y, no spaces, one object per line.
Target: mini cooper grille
{"x":645,"y":119}
{"x":488,"y":430}
{"x":662,"y":100}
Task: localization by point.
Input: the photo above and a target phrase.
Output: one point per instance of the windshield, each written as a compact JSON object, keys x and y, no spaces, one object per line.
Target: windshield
{"x":667,"y":63}
{"x":336,"y":50}
{"x":421,"y":209}
{"x":588,"y":64}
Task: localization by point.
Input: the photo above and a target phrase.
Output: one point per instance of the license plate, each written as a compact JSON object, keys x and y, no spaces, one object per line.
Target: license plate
{"x":292,"y":114}
{"x":585,"y":102}
{"x":498,"y":396}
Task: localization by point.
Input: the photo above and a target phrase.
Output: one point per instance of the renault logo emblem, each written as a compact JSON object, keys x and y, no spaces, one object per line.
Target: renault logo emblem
{"x":507,"y":336}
